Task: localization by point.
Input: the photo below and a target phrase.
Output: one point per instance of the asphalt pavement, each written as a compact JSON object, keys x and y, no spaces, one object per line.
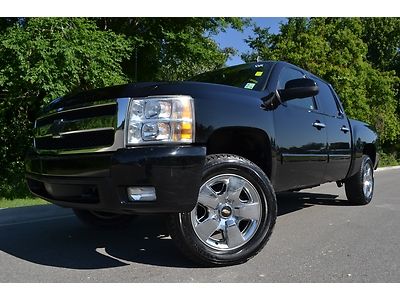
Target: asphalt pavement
{"x":319,"y":237}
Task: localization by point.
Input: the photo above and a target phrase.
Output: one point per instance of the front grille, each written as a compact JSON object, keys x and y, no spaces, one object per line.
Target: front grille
{"x":77,"y":128}
{"x":102,"y":137}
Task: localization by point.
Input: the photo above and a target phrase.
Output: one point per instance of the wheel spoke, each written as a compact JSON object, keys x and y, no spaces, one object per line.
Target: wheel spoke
{"x":207,"y":228}
{"x":367,"y":187}
{"x":367,"y":173}
{"x":367,"y":180}
{"x":208,"y":197}
{"x":234,"y":187}
{"x":249,"y":211}
{"x":233,"y":235}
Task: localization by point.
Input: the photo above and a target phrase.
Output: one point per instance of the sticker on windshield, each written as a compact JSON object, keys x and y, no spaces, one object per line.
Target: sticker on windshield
{"x":249,"y":85}
{"x":259,"y":73}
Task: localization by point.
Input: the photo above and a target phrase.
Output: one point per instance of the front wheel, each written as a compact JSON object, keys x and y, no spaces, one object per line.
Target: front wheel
{"x":360,"y":187}
{"x":234,"y":215}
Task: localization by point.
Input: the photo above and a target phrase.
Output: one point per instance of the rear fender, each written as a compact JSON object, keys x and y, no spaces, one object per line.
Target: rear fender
{"x":364,"y":141}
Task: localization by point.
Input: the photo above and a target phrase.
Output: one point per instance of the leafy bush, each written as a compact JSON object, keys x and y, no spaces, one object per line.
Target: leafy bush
{"x":388,"y":159}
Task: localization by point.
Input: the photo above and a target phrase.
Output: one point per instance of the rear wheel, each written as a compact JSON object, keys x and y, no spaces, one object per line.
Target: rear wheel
{"x":360,"y":187}
{"x":234,"y":215}
{"x":104,"y":220}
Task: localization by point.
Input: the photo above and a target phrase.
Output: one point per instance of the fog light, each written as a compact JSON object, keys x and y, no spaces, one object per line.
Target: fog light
{"x":145,"y":193}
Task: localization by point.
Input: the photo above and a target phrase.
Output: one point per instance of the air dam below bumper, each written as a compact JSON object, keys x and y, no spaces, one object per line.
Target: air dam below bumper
{"x":99,"y":181}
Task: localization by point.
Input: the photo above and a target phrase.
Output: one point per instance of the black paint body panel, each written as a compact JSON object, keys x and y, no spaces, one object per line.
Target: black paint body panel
{"x":175,"y":172}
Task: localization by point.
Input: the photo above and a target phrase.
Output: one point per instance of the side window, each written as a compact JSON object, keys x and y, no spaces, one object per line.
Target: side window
{"x":289,"y":74}
{"x":326,"y":99}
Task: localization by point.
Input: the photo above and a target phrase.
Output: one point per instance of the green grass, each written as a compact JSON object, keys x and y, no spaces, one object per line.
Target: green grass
{"x":8,"y":203}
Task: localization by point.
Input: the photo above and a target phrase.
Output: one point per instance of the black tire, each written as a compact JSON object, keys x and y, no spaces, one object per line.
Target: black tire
{"x":257,"y":183}
{"x":102,"y":220}
{"x":360,"y":187}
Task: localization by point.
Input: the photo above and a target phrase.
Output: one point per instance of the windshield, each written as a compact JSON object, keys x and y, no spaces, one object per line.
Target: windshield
{"x":247,"y":76}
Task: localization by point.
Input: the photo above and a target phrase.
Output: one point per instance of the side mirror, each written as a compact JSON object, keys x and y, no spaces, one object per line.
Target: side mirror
{"x":298,"y":88}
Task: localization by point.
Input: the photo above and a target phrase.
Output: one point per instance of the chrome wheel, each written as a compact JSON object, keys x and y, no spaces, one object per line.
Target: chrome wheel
{"x":234,"y":216}
{"x":368,"y":180}
{"x":228,"y":212}
{"x":360,"y":186}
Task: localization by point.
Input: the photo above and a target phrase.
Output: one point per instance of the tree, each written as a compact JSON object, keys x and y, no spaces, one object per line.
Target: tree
{"x":41,"y":59}
{"x":334,"y":49}
{"x":172,"y":48}
{"x":382,"y":36}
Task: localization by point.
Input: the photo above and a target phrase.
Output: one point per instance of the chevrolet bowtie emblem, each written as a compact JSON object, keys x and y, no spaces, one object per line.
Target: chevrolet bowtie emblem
{"x":56,"y":128}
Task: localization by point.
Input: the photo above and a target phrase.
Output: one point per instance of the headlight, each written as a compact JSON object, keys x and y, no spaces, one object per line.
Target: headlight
{"x":160,"y":119}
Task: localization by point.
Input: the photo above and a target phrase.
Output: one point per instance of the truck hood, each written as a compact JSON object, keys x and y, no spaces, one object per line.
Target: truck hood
{"x":145,"y":89}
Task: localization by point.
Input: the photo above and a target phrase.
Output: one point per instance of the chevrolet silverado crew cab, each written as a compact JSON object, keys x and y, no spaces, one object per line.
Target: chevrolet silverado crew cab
{"x":210,"y":152}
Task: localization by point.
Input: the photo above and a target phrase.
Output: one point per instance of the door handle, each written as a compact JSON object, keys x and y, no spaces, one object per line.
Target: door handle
{"x":317,"y":124}
{"x":345,"y":129}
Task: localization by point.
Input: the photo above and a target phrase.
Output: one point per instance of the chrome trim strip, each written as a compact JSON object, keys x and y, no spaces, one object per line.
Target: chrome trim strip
{"x":76,"y":109}
{"x":86,"y":130}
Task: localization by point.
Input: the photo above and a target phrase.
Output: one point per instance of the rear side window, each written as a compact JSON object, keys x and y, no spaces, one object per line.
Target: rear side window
{"x":327,"y":99}
{"x":290,"y":74}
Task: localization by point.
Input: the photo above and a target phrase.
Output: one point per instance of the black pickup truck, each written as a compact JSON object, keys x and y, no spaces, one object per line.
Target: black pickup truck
{"x":210,"y":152}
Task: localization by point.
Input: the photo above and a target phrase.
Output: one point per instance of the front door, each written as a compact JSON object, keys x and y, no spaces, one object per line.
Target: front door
{"x":301,"y":139}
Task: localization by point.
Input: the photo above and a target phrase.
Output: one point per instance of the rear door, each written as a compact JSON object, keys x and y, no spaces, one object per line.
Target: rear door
{"x":300,"y":139}
{"x":338,"y":133}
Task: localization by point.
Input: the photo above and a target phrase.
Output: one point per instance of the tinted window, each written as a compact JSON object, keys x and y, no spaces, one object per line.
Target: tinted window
{"x":289,"y":74}
{"x":326,"y":99}
{"x":244,"y":76}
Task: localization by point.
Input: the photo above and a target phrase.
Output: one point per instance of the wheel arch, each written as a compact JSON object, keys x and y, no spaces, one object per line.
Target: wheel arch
{"x":364,"y":142}
{"x":248,"y":142}
{"x":370,"y":150}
